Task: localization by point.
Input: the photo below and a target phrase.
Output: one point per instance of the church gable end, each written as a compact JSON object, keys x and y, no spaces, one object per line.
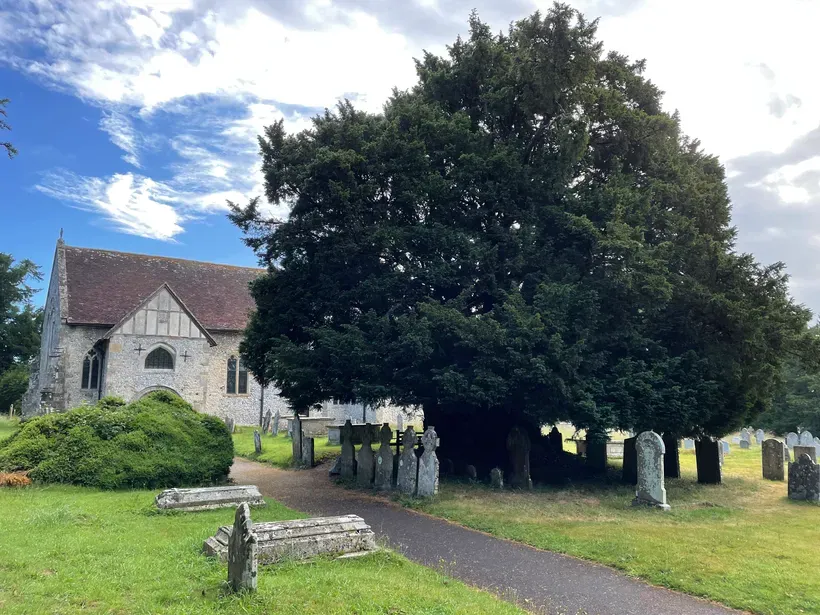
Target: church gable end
{"x":161,"y":314}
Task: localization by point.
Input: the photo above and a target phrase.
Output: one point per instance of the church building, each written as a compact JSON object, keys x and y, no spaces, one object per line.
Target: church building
{"x":126,"y":324}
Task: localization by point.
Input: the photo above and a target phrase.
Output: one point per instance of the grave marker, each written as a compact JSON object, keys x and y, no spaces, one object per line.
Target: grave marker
{"x":806,"y":439}
{"x":257,"y":442}
{"x":427,"y":485}
{"x":242,"y":556}
{"x":745,"y":444}
{"x":772,"y":453}
{"x":760,"y":436}
{"x":348,"y":468}
{"x":707,"y":458}
{"x":408,"y":463}
{"x":671,"y":461}
{"x":804,"y":479}
{"x":400,"y":422}
{"x":688,"y":444}
{"x":518,"y":448}
{"x":471,"y":472}
{"x":630,"y":467}
{"x":266,"y":421}
{"x":805,"y":450}
{"x":792,"y":439}
{"x":275,"y":429}
{"x":207,"y":498}
{"x":366,"y":462}
{"x":296,"y":435}
{"x":651,"y":452}
{"x":384,"y":460}
{"x":556,"y":440}
{"x":497,"y":478}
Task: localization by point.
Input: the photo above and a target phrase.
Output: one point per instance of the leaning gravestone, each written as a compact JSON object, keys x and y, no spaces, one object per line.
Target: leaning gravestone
{"x":427,"y":484}
{"x":348,"y":469}
{"x":792,"y":439}
{"x":275,"y":429}
{"x":242,"y":556}
{"x":366,"y":461}
{"x":651,"y":491}
{"x":518,"y":448}
{"x":384,"y":460}
{"x":805,"y":450}
{"x":760,"y":436}
{"x":257,"y":442}
{"x":773,"y":459}
{"x":207,"y":498}
{"x":806,"y":439}
{"x":671,"y":461}
{"x":707,"y":459}
{"x":804,"y":479}
{"x":497,"y":478}
{"x":266,"y":422}
{"x":408,"y":463}
{"x":630,"y":465}
{"x":745,"y":445}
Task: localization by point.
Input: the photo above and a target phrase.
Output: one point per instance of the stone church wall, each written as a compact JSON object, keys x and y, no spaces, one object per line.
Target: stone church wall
{"x":77,"y":341}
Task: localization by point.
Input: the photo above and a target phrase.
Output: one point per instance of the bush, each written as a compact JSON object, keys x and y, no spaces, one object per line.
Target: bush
{"x":158,"y":441}
{"x":13,"y":385}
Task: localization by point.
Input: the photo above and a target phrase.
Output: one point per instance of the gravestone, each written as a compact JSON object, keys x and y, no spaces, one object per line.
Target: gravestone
{"x":671,"y":460}
{"x":688,"y":444}
{"x":348,"y":469}
{"x":257,"y":442}
{"x":817,"y":445}
{"x":408,"y":463}
{"x":725,"y":449}
{"x":497,"y":478}
{"x":308,"y":448}
{"x":296,"y":442}
{"x":760,"y":436}
{"x":596,"y":454}
{"x":806,"y":439}
{"x":365,"y":465}
{"x":735,"y":440}
{"x":208,"y":498}
{"x":556,"y":440}
{"x":231,"y":424}
{"x":275,"y":429}
{"x":773,"y":459}
{"x":786,"y":456}
{"x":745,"y":445}
{"x":427,"y":484}
{"x":242,"y":556}
{"x":384,"y":460}
{"x":471,"y":472}
{"x":805,"y":450}
{"x":630,"y":467}
{"x":745,"y":434}
{"x":804,"y":479}
{"x":518,"y":448}
{"x":336,"y":467}
{"x":707,"y":459}
{"x":400,"y":422}
{"x":651,"y":452}
{"x":792,"y":439}
{"x":448,"y":468}
{"x":266,"y":421}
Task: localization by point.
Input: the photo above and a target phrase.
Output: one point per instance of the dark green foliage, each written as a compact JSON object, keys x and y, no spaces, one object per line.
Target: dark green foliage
{"x":13,"y":385}
{"x":20,"y":322}
{"x":158,"y":441}
{"x":525,"y":235}
{"x":10,"y":149}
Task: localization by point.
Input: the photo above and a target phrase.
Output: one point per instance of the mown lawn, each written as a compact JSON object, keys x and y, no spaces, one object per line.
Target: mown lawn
{"x":276,"y":450}
{"x":742,"y":543}
{"x":66,"y":550}
{"x":8,"y":427}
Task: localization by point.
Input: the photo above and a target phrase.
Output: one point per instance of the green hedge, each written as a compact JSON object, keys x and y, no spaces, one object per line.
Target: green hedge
{"x":158,"y":441}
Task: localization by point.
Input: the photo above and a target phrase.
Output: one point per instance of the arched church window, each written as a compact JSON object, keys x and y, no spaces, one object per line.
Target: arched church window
{"x":91,"y":371}
{"x":159,"y":358}
{"x":237,"y":382}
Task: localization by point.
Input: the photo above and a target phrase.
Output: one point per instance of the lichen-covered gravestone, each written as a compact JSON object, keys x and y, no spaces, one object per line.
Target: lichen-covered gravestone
{"x":518,"y":448}
{"x":348,"y":469}
{"x":745,"y":445}
{"x":804,"y":479}
{"x":427,"y":481}
{"x":384,"y":460}
{"x":275,"y":429}
{"x":651,"y":491}
{"x":296,"y":439}
{"x":497,"y":478}
{"x":792,"y":439}
{"x":408,"y":463}
{"x":806,"y":439}
{"x":707,"y":459}
{"x":805,"y":450}
{"x":242,"y":555}
{"x":257,"y":442}
{"x":266,"y":422}
{"x":773,"y":459}
{"x":366,"y":460}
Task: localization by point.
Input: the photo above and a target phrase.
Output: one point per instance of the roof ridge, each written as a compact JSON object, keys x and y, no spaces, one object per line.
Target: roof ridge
{"x":169,"y":258}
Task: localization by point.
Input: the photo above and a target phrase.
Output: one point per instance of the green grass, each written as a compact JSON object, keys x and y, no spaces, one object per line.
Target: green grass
{"x":72,"y":550}
{"x":742,"y":543}
{"x":276,"y":450}
{"x":8,"y":427}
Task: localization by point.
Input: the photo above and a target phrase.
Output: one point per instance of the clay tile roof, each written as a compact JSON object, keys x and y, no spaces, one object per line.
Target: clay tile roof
{"x":103,"y":286}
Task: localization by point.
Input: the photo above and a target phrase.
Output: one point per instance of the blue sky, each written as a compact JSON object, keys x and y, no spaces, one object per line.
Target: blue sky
{"x":137,"y":119}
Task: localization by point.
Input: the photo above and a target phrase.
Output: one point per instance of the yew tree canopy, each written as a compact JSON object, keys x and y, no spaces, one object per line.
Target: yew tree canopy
{"x":525,"y":232}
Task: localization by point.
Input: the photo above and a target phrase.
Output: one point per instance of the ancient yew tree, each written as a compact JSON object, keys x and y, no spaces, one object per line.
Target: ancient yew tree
{"x":525,"y":236}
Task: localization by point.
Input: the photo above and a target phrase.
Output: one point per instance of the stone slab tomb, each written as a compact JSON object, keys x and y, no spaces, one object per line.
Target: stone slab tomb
{"x":773,"y":462}
{"x":242,"y":552}
{"x":804,"y":479}
{"x":651,"y":491}
{"x":207,"y":498}
{"x":300,"y":539}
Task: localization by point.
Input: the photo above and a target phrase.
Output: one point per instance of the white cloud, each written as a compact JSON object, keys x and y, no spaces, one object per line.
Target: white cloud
{"x":122,"y":134}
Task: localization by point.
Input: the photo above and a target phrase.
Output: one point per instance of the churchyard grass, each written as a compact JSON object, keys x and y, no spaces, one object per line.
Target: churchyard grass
{"x":8,"y":427}
{"x":79,"y":550}
{"x":276,"y":450}
{"x":742,"y":543}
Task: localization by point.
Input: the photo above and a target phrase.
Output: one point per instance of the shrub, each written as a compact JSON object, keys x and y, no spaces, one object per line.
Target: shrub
{"x":158,"y":441}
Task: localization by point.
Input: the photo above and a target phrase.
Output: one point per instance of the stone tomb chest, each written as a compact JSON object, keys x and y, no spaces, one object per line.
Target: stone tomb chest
{"x":300,"y":539}
{"x":206,"y":498}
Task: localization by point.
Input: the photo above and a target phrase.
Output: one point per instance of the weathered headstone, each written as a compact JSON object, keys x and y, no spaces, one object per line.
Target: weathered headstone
{"x":231,"y":424}
{"x":208,"y":498}
{"x":556,"y":440}
{"x":257,"y":442}
{"x":296,"y":441}
{"x":805,"y":450}
{"x":266,"y":421}
{"x":336,"y":467}
{"x":792,"y":439}
{"x":725,"y":449}
{"x":745,"y":445}
{"x":348,"y":469}
{"x":497,"y":478}
{"x":630,"y":466}
{"x":804,"y":479}
{"x":427,"y":483}
{"x":745,"y":434}
{"x":806,"y":439}
{"x":688,"y":444}
{"x":384,"y":460}
{"x":735,"y":439}
{"x":242,"y":556}
{"x":408,"y":463}
{"x":651,"y":491}
{"x":308,"y":459}
{"x":275,"y":429}
{"x":760,"y":436}
{"x":366,"y":461}
{"x":400,"y":422}
{"x":448,"y":468}
{"x":518,"y":448}
{"x":671,"y":460}
{"x":772,"y":452}
{"x":786,"y":456}
{"x":471,"y":472}
{"x":817,"y":446}
{"x":596,"y":454}
{"x":707,"y":459}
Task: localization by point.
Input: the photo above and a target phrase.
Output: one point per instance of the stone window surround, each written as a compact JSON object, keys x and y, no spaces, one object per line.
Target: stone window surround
{"x":94,"y":369}
{"x":247,"y":392}
{"x":161,"y":370}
